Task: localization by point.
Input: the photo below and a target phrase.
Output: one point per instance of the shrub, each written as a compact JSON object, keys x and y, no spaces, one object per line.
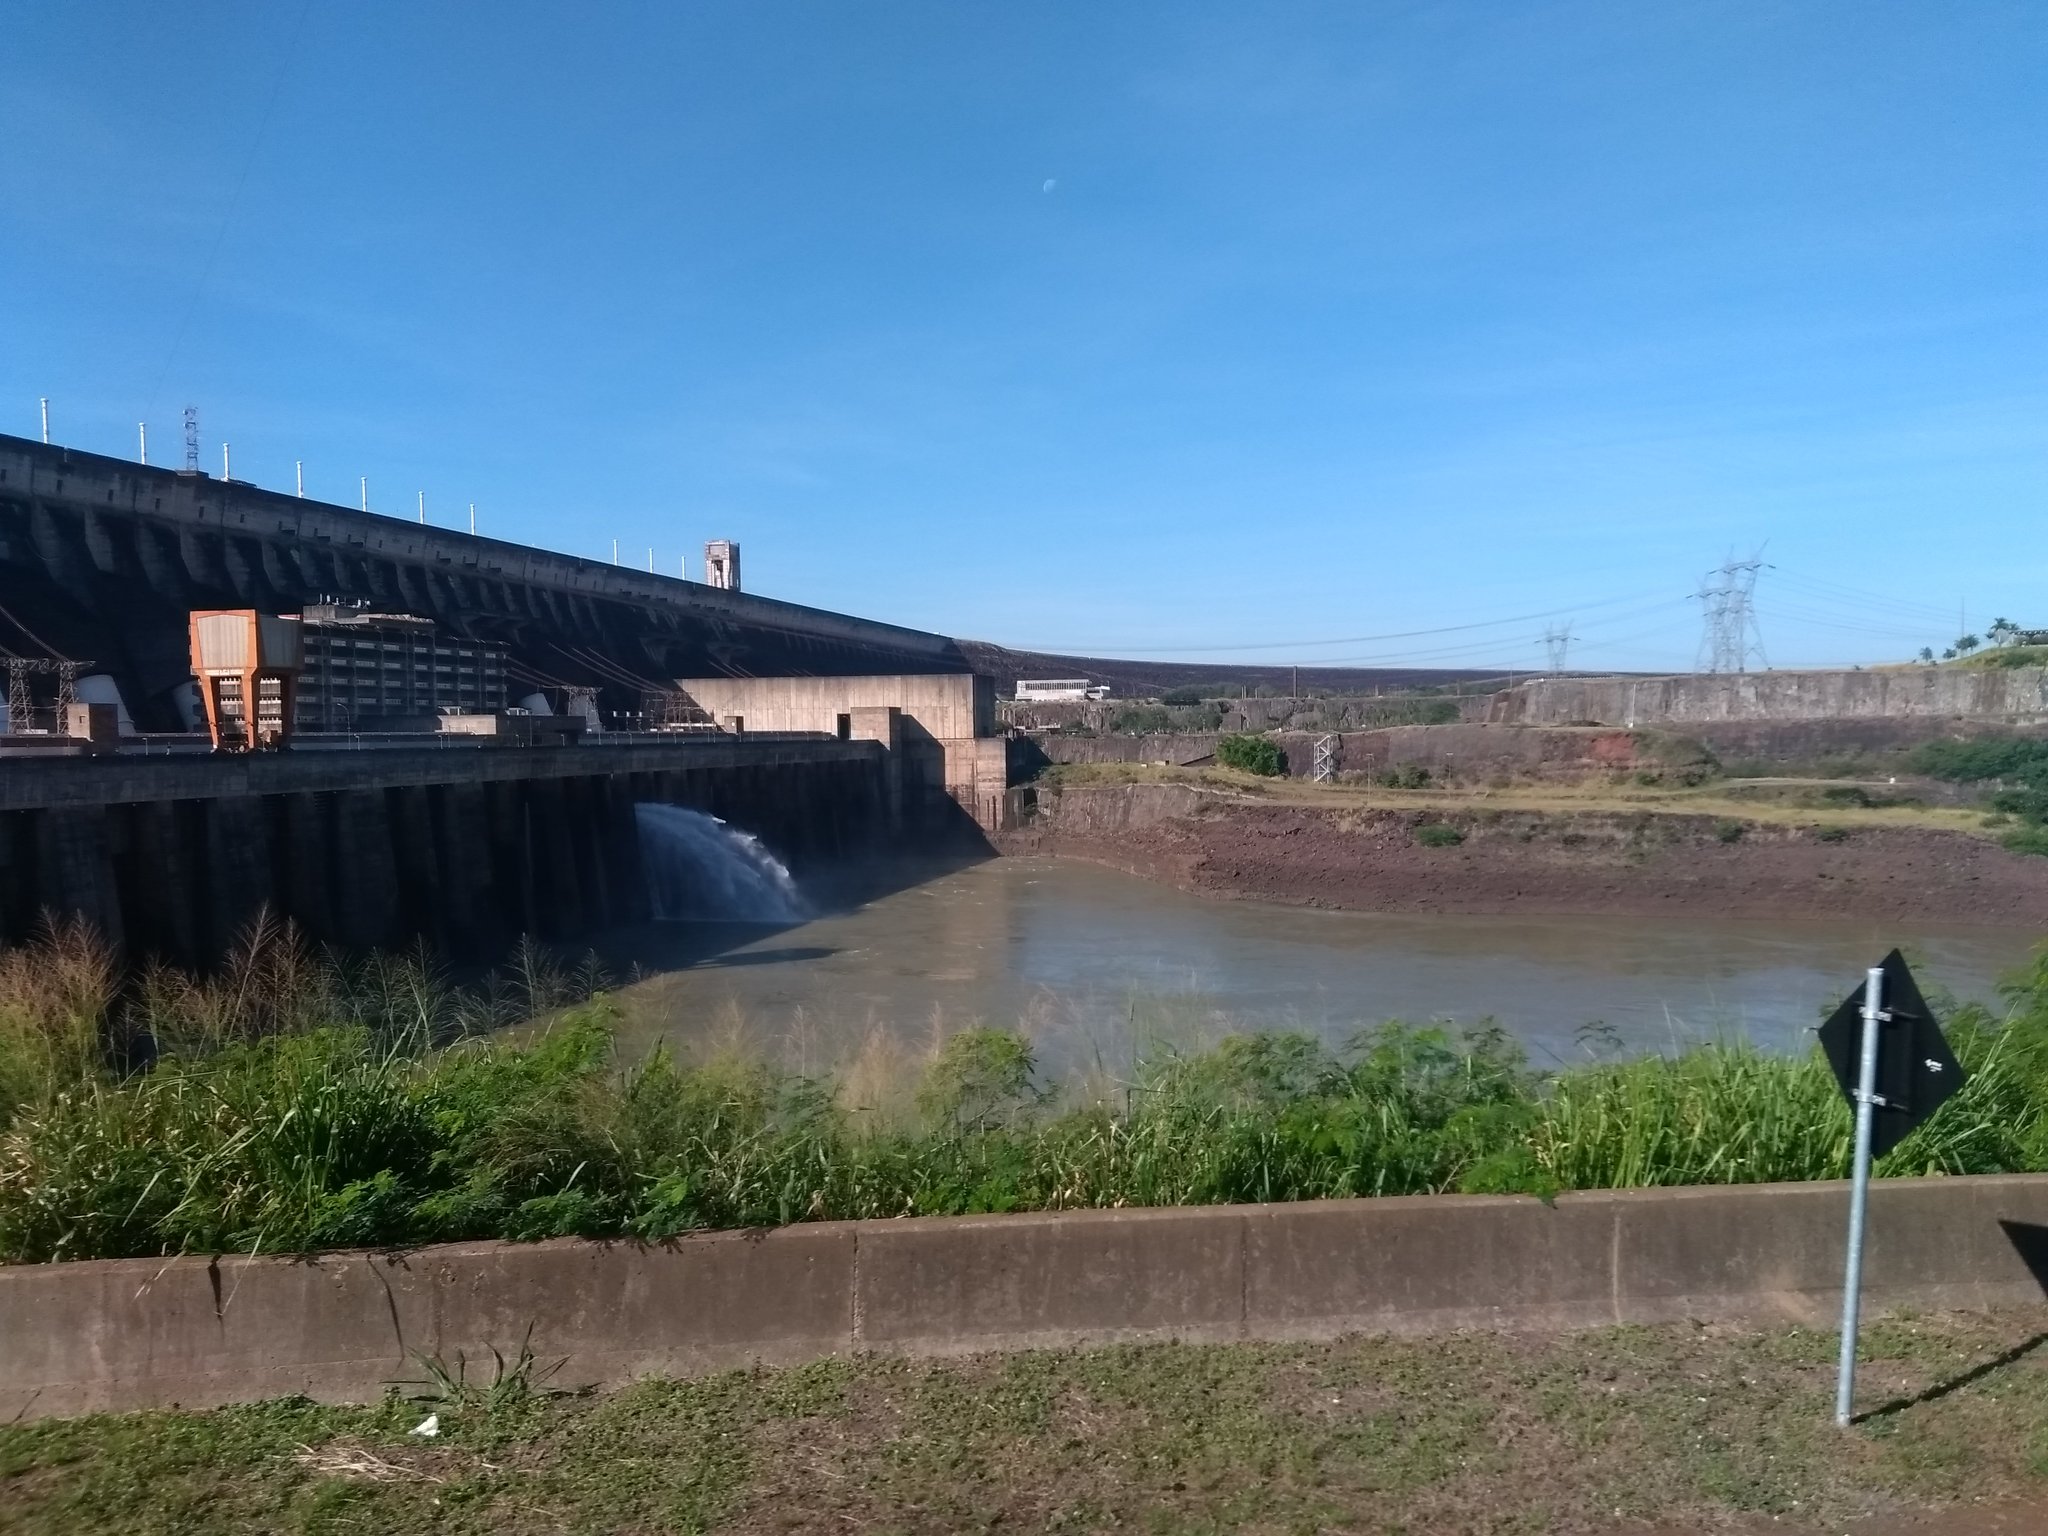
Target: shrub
{"x":1185,"y":695}
{"x":2029,"y":804}
{"x":1406,"y":776}
{"x":1831,"y":834}
{"x":1437,"y":834}
{"x":1252,"y":754}
{"x":1729,"y":831}
{"x":979,"y":1078}
{"x":2027,"y":840}
{"x":2022,"y":758}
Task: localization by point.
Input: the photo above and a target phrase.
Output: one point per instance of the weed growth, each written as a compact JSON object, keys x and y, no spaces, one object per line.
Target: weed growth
{"x":395,"y":1123}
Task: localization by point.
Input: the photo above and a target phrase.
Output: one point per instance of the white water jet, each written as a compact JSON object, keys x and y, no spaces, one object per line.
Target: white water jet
{"x":701,"y":870}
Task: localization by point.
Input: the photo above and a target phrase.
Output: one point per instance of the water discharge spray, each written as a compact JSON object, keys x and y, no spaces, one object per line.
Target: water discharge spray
{"x":698,"y":869}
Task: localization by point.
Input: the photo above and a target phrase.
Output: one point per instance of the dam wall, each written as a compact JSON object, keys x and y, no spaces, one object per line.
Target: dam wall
{"x":2016,"y":696}
{"x":101,"y":560}
{"x":466,"y":848}
{"x":193,"y":1332}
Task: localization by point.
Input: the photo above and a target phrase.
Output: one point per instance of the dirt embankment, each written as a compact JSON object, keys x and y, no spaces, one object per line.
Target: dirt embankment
{"x":1537,"y":862}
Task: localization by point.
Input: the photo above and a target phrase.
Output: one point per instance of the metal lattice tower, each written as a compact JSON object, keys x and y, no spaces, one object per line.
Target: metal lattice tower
{"x":1729,"y":638}
{"x":67,"y":689}
{"x":191,"y":439}
{"x":1557,"y":645}
{"x":1326,"y":760}
{"x":21,"y":713}
{"x":20,"y":709}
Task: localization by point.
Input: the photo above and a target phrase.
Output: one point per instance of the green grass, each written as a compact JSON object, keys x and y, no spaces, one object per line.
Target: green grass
{"x":1473,"y":1435}
{"x":285,"y":1134}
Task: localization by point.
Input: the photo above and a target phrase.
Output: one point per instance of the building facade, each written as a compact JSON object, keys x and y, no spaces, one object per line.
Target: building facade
{"x":371,"y":671}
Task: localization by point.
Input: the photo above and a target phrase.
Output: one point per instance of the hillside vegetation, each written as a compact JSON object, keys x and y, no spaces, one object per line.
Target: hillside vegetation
{"x":2017,"y":765}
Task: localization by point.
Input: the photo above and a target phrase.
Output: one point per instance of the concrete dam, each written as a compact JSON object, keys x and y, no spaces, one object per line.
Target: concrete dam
{"x":467,"y":850}
{"x":101,"y":560}
{"x":834,"y":737}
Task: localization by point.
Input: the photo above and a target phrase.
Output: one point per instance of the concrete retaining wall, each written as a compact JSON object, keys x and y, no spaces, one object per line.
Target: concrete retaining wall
{"x":1953,"y":693}
{"x":127,"y":1334}
{"x":1179,"y":750}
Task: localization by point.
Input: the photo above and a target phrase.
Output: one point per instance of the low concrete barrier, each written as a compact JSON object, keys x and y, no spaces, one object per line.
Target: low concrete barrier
{"x":194,"y":1332}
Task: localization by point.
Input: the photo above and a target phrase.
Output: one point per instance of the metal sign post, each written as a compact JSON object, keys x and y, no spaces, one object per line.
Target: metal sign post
{"x":1859,"y":1192}
{"x":1886,"y":1050}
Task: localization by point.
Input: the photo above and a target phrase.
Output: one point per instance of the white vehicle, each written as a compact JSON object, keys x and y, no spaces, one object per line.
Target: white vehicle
{"x":1059,"y":690}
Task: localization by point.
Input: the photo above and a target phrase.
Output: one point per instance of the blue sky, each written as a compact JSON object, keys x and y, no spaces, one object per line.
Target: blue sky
{"x":1170,"y":328}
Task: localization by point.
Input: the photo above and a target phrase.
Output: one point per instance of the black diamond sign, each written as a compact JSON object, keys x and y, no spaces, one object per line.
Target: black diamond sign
{"x":1916,"y":1071}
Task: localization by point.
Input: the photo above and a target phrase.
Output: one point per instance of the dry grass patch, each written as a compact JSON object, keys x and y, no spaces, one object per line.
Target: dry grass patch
{"x":1680,"y":1427}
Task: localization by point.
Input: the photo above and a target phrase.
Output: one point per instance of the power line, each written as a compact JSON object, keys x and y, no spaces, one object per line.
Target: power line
{"x":1296,"y":645}
{"x":1475,"y":648}
{"x":1825,"y":590}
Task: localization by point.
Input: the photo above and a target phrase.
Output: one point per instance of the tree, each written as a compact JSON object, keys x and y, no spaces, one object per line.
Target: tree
{"x":1254,"y":754}
{"x":2004,"y":631}
{"x":1927,"y":654}
{"x":1949,"y":654}
{"x":1967,"y":644}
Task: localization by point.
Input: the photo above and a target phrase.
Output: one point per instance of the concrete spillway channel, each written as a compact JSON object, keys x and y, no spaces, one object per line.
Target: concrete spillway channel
{"x":468,"y":849}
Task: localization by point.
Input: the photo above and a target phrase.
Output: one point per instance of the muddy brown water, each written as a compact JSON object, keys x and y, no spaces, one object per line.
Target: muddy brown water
{"x":1093,"y":962}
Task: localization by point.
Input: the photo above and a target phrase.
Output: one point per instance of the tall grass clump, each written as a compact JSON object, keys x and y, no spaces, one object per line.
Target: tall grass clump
{"x":366,"y":1108}
{"x":55,"y":997}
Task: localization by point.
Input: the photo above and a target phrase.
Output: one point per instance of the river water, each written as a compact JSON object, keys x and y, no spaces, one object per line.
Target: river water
{"x":1093,"y":963}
